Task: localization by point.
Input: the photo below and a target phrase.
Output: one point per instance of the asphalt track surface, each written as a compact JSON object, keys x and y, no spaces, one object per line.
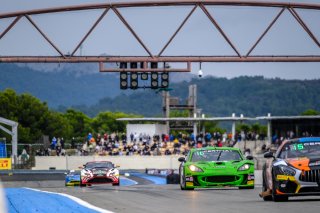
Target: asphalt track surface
{"x":148,"y":197}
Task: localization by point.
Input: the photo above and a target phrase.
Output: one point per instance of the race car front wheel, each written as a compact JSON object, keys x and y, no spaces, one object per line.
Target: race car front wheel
{"x":275,"y":196}
{"x":183,"y":180}
{"x":81,"y":184}
{"x":246,"y":187}
{"x":116,"y":184}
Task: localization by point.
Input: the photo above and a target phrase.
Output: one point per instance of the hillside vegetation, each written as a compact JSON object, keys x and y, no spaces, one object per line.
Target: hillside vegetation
{"x":93,"y":92}
{"x":251,"y":96}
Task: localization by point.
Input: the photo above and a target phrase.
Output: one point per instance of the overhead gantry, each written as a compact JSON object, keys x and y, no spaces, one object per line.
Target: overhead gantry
{"x":202,"y":5}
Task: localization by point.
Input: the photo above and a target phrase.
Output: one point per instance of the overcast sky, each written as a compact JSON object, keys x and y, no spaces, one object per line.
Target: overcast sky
{"x":156,"y":25}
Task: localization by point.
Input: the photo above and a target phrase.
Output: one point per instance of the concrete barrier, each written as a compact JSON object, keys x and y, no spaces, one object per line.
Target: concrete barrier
{"x":125,"y":162}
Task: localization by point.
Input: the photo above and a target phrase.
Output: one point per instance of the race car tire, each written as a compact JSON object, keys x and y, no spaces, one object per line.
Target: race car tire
{"x":279,"y":198}
{"x":116,"y":184}
{"x":182,"y":181}
{"x":246,"y":187}
{"x":81,"y":184}
{"x":275,"y":197}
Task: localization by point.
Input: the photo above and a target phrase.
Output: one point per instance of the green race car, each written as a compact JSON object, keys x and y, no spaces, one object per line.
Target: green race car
{"x":216,"y":167}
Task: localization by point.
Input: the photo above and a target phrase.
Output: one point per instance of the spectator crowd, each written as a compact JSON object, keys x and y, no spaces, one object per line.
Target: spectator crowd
{"x":116,"y":144}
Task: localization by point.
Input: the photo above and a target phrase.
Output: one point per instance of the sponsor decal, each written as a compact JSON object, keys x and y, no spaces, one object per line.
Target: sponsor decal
{"x":99,"y":172}
{"x":5,"y":163}
{"x":285,"y":177}
{"x":189,"y":183}
{"x":189,"y":179}
{"x":250,"y":182}
{"x":251,"y":177}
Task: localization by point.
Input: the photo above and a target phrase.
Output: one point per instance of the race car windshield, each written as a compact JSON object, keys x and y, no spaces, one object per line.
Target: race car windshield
{"x":74,"y":173}
{"x":99,"y":165}
{"x":300,"y":149}
{"x":216,"y":155}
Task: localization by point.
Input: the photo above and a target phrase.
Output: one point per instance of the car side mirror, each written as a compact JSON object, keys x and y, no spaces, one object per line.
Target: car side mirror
{"x":268,"y":155}
{"x":181,"y":159}
{"x":249,"y":157}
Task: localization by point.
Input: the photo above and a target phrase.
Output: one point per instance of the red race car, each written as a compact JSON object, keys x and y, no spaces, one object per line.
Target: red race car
{"x":99,"y":172}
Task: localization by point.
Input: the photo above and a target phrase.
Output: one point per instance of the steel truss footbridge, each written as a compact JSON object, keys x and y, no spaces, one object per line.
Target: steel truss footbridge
{"x":204,"y":6}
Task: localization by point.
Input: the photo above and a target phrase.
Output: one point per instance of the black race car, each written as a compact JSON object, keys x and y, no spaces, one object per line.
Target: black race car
{"x":293,"y":171}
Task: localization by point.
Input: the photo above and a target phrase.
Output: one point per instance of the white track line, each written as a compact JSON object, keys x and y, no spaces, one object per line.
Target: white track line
{"x":77,"y":200}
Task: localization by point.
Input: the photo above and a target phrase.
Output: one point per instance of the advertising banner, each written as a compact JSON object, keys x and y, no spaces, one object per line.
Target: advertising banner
{"x":3,"y":150}
{"x":5,"y":163}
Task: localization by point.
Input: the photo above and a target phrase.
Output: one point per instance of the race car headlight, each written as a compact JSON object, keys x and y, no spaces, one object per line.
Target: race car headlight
{"x":194,"y":168}
{"x":244,"y":167}
{"x":286,"y":170}
{"x":85,"y":173}
{"x":114,"y":173}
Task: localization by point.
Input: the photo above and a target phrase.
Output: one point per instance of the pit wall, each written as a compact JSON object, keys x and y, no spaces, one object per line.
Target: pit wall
{"x":125,"y":162}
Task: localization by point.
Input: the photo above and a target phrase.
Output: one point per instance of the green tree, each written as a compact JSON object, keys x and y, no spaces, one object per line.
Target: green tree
{"x":31,"y":115}
{"x":212,"y":126}
{"x":263,"y":130}
{"x":310,"y":112}
{"x":9,"y":104}
{"x":255,"y":127}
{"x":106,"y":122}
{"x":179,"y":114}
{"x":25,"y":109}
{"x":35,"y":119}
{"x":243,"y":127}
{"x":57,"y":125}
{"x":81,"y":123}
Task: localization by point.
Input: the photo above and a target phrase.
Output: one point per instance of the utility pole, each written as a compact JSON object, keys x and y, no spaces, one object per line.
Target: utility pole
{"x":166,"y":108}
{"x":193,"y":103}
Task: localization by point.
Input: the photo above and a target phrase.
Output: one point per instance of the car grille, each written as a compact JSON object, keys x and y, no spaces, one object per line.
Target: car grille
{"x":99,"y":172}
{"x":100,"y":180}
{"x":221,"y":179}
{"x":309,"y":190}
{"x":310,"y":176}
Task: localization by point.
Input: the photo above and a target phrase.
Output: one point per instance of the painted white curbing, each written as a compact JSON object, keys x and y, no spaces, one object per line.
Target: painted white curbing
{"x":77,"y":200}
{"x":3,"y":205}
